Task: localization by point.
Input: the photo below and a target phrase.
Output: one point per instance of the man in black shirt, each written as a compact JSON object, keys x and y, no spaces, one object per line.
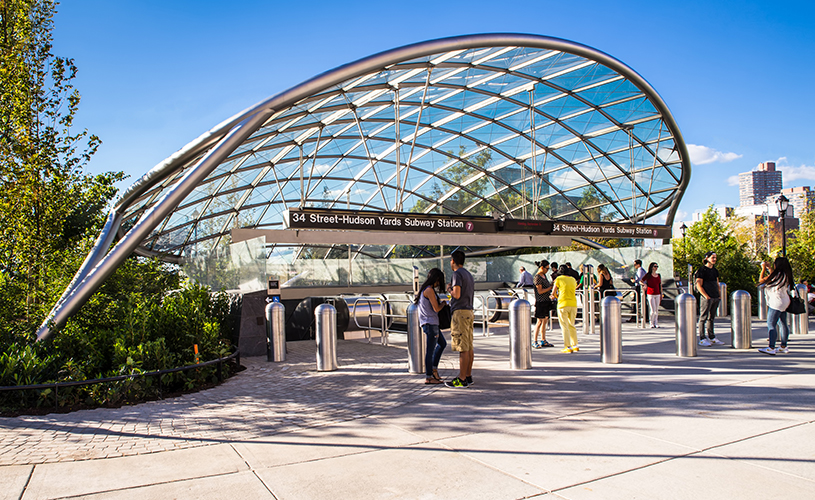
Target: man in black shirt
{"x":707,"y":282}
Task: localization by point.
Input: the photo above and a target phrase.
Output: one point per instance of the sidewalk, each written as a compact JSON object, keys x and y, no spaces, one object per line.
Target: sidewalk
{"x":726,"y":424}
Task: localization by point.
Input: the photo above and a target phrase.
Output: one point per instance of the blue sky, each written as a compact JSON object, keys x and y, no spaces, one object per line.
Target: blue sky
{"x":738,"y":76}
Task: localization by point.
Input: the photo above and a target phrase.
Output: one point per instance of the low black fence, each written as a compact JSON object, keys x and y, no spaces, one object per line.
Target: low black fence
{"x":235,"y":357}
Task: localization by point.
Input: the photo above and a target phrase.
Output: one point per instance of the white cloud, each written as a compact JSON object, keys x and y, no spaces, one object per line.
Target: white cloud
{"x":799,"y":173}
{"x":733,"y":180}
{"x":701,"y":155}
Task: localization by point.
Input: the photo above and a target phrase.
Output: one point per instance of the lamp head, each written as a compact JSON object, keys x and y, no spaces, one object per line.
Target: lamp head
{"x":782,"y":203}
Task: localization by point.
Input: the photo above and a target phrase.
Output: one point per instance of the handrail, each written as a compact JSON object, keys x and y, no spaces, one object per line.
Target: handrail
{"x":369,"y":301}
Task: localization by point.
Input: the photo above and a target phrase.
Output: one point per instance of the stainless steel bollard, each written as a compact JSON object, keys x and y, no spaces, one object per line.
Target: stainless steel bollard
{"x":686,"y":325}
{"x":800,"y":322}
{"x":740,"y":324}
{"x":762,"y":302}
{"x":722,"y":312}
{"x":520,"y":335}
{"x":275,"y":332}
{"x":417,"y":343}
{"x":611,"y":328}
{"x":325,"y":324}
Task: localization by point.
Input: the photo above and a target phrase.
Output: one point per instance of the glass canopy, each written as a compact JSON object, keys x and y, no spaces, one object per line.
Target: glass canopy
{"x":520,"y":131}
{"x":513,"y":125}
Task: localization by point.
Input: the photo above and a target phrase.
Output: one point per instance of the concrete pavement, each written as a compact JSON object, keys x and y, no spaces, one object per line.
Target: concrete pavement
{"x":726,"y":424}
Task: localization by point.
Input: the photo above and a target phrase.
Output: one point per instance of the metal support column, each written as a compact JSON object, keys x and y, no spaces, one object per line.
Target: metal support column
{"x":611,"y":338}
{"x":740,"y":321}
{"x":722,"y":312}
{"x":520,"y":335}
{"x":685,"y":325}
{"x":325,"y":324}
{"x":762,"y":302}
{"x":800,"y":322}
{"x":275,"y":332}
{"x":417,"y":343}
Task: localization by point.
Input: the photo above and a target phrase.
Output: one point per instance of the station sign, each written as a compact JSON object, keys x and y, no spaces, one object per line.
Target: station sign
{"x":310,"y":218}
{"x":354,"y":220}
{"x":588,"y":229}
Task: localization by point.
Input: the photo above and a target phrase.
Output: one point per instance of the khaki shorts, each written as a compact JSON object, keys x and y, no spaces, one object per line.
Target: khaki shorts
{"x":461,"y":330}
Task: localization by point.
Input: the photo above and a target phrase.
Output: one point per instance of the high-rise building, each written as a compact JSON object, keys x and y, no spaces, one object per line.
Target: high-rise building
{"x":802,"y":198}
{"x":757,"y":185}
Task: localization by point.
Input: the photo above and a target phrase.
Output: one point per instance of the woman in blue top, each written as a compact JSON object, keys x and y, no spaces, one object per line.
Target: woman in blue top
{"x":429,"y":307}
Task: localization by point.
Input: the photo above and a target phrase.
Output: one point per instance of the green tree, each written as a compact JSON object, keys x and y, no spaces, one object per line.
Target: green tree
{"x":713,"y":234}
{"x":46,"y":202}
{"x":800,"y":248}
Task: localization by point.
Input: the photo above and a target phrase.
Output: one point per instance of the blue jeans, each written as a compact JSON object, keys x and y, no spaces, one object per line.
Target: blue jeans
{"x":435,"y":346}
{"x":777,"y":318}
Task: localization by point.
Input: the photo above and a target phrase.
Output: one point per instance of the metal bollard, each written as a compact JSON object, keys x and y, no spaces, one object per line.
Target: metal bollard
{"x":275,"y":332}
{"x":611,"y":327}
{"x":722,"y":312}
{"x":740,"y":327}
{"x":800,"y":322}
{"x":762,"y":303}
{"x":417,"y":343}
{"x":520,"y":335}
{"x":325,"y":323}
{"x":686,"y":325}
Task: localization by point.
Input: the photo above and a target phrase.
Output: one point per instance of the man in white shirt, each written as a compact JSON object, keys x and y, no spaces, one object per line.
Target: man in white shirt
{"x":526,"y":280}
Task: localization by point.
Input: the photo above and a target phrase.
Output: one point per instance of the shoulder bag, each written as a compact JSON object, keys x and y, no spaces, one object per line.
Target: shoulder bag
{"x":445,"y":317}
{"x":796,"y":306}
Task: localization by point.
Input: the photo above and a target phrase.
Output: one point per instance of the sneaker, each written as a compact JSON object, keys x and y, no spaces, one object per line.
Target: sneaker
{"x":705,"y":342}
{"x":782,"y":350}
{"x":768,"y":350}
{"x":575,"y":348}
{"x":469,"y":380}
{"x":457,"y":383}
{"x":716,"y":341}
{"x":567,"y":350}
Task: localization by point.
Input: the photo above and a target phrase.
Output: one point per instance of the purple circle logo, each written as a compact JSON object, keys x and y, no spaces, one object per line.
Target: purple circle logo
{"x":469,"y":226}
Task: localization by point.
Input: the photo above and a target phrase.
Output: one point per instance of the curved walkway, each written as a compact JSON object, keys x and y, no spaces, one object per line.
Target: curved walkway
{"x":265,"y":399}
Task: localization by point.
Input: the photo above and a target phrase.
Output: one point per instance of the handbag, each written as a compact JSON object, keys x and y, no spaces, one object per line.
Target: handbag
{"x":445,"y":317}
{"x":796,"y":306}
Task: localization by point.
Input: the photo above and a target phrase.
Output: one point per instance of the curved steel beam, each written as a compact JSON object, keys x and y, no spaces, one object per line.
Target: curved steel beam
{"x":107,"y":265}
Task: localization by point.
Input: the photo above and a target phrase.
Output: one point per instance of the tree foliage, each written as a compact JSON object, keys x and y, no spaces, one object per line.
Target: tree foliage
{"x":714,"y":234}
{"x":141,"y":318}
{"x":47,"y":203}
{"x":801,"y":248}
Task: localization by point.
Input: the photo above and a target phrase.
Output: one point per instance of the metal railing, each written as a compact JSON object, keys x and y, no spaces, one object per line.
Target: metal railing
{"x":368,"y":301}
{"x":77,"y":383}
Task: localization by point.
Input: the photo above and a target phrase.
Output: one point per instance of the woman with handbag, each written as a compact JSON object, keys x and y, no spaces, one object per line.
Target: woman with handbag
{"x":777,"y":282}
{"x":429,"y":307}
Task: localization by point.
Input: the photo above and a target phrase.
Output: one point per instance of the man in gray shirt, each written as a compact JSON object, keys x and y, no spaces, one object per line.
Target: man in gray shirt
{"x":462,"y":291}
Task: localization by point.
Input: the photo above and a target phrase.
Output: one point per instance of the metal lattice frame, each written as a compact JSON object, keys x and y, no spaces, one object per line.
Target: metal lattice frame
{"x":521,"y":125}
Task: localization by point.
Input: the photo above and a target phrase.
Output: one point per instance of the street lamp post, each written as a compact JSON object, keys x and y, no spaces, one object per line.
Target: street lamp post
{"x":782,"y":203}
